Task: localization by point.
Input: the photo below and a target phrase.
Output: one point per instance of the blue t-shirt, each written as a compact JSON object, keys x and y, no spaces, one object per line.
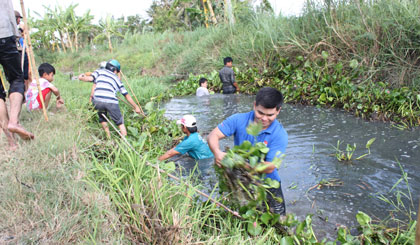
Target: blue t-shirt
{"x":274,"y":137}
{"x":195,"y":146}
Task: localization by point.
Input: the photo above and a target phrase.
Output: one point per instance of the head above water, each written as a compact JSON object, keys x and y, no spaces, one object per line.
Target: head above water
{"x":113,"y":65}
{"x":202,"y":81}
{"x":269,"y":98}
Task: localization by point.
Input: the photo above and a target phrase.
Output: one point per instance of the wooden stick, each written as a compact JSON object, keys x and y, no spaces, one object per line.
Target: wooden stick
{"x":173,"y":176}
{"x":31,"y":59}
{"x":131,"y":90}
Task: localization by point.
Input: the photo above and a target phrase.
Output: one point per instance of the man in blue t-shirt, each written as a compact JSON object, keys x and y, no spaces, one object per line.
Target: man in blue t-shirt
{"x":193,"y":143}
{"x":267,"y":106}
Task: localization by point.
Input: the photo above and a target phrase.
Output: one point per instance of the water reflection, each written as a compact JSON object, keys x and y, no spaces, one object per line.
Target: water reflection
{"x":309,"y":157}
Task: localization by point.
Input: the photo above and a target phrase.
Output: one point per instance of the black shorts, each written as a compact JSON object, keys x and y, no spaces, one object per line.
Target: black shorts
{"x":229,"y":90}
{"x":276,"y":206}
{"x":10,"y":60}
{"x":104,"y":108}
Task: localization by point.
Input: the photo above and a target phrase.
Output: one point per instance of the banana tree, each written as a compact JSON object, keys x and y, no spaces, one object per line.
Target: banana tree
{"x":110,"y":28}
{"x":78,"y":25}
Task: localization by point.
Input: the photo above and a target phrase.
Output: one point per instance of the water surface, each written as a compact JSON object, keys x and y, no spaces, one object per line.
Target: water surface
{"x":310,"y":158}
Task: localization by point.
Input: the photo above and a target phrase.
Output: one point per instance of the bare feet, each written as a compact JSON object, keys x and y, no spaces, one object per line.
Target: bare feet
{"x":18,"y":129}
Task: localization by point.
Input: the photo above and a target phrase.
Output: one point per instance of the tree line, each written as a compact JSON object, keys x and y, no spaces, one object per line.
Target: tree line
{"x":61,"y":29}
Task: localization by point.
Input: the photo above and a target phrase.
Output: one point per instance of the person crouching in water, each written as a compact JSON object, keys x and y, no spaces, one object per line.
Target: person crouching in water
{"x":106,"y":84}
{"x":193,"y":143}
{"x":33,"y":101}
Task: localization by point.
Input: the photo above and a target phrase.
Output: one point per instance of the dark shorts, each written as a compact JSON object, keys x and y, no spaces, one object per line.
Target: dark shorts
{"x":113,"y":110}
{"x":10,"y":60}
{"x":276,"y":206}
{"x":229,"y":90}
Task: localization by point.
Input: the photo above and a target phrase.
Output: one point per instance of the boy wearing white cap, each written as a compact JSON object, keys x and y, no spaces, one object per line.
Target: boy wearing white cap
{"x":193,"y":143}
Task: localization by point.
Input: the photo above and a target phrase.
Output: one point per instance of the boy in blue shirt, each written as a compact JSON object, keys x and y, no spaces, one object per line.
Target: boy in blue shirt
{"x":267,"y":106}
{"x":193,"y":143}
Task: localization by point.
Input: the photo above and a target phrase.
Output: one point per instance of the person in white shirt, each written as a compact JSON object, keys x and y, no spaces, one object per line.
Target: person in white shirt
{"x":202,"y":90}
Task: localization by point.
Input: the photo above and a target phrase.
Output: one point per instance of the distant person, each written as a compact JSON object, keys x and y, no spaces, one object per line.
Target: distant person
{"x":10,"y":60}
{"x":193,"y":143}
{"x":227,"y":76}
{"x":267,"y":106}
{"x":33,"y":100}
{"x":202,"y":90}
{"x":106,"y":84}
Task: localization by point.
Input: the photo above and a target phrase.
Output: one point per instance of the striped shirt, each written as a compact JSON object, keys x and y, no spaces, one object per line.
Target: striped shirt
{"x":107,"y":86}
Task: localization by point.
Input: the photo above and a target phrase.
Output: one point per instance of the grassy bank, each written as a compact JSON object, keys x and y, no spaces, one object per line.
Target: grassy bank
{"x":361,"y":57}
{"x":71,"y":185}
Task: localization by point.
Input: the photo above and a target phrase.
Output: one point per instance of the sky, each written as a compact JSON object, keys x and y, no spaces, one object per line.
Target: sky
{"x":117,"y":8}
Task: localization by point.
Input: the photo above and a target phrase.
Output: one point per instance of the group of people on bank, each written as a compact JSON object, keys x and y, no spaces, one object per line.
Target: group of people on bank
{"x":106,"y":83}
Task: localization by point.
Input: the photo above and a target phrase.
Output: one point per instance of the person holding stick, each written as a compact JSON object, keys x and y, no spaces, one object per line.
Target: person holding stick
{"x":10,"y":60}
{"x":106,"y":84}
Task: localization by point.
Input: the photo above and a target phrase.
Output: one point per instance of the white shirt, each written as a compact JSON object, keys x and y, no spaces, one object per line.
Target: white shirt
{"x":201,"y":91}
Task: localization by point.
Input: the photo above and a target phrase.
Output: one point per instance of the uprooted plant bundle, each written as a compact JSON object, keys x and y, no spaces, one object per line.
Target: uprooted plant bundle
{"x":248,"y":189}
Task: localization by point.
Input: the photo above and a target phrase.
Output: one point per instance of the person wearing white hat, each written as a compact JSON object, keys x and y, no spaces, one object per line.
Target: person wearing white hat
{"x":193,"y":143}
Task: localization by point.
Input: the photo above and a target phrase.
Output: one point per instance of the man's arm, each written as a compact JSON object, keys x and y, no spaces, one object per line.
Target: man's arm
{"x":232,"y":78}
{"x":172,"y":152}
{"x":92,"y":91}
{"x":213,"y":139}
{"x":85,"y":78}
{"x":131,"y":101}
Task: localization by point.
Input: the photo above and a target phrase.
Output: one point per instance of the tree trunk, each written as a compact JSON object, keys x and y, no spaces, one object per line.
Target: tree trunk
{"x":63,"y":44}
{"x":213,"y":16}
{"x":76,"y":43}
{"x":109,"y":42}
{"x":229,"y":12}
{"x":69,"y":40}
{"x":206,"y":20}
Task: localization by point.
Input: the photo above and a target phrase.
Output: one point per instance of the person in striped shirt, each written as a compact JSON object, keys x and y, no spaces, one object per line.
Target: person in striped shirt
{"x":106,"y":84}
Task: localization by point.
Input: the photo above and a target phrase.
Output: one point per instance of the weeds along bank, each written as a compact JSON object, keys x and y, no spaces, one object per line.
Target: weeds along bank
{"x":361,"y":57}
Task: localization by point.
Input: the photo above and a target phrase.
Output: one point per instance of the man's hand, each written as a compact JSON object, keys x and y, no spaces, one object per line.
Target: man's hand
{"x":218,"y":157}
{"x":60,"y":102}
{"x":137,"y":110}
{"x":86,"y":77}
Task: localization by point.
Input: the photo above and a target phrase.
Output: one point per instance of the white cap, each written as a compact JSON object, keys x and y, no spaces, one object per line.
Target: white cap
{"x":188,"y":121}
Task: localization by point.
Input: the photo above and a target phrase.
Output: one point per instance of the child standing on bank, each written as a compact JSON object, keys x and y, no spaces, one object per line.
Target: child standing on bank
{"x":33,"y":99}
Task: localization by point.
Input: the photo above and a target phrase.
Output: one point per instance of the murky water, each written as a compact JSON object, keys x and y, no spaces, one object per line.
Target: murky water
{"x":310,"y":158}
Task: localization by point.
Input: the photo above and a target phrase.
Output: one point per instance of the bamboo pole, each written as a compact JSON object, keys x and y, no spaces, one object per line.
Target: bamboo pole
{"x":418,"y":227}
{"x":173,"y":176}
{"x":131,"y":90}
{"x":31,"y":59}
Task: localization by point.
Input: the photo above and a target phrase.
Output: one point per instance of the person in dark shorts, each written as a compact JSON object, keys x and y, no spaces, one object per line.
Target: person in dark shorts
{"x":106,"y":84}
{"x":227,"y":77}
{"x":10,"y":60}
{"x":267,"y":106}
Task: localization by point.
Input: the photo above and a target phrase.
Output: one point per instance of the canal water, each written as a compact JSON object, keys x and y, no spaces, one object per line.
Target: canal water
{"x":310,"y":157}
